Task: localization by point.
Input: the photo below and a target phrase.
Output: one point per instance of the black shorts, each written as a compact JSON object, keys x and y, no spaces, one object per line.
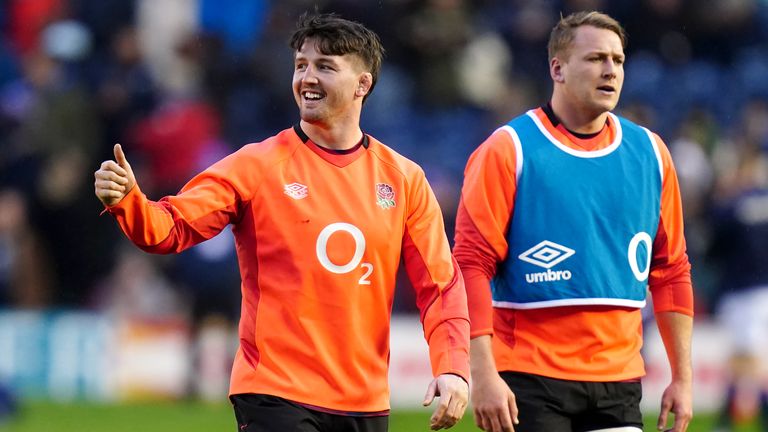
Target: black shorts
{"x":554,"y":405}
{"x":265,"y":413}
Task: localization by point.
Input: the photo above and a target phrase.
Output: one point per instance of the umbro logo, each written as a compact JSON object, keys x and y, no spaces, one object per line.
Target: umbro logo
{"x":296,"y":191}
{"x":546,"y":254}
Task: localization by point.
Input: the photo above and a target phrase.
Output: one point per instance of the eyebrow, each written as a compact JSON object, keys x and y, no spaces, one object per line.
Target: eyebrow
{"x":605,"y":53}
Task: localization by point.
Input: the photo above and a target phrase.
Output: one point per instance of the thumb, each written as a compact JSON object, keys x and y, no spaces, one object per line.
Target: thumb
{"x":431,"y":392}
{"x":120,"y":156}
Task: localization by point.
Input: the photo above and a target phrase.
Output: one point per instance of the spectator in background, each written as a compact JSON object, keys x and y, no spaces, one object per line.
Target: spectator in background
{"x":22,"y":283}
{"x":56,"y":135}
{"x":740,"y":219}
{"x":125,"y":91}
{"x":314,"y":333}
{"x":568,"y":215}
{"x":437,"y":32}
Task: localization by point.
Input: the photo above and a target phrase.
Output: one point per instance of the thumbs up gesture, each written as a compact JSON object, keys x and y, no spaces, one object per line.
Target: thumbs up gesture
{"x":114,"y":179}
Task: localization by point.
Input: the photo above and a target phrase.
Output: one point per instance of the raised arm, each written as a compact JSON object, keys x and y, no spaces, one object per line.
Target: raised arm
{"x":203,"y":207}
{"x":114,"y":179}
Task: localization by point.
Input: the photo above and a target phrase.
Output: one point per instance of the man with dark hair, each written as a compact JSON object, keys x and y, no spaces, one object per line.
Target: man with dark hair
{"x":322,"y":214}
{"x":568,"y":215}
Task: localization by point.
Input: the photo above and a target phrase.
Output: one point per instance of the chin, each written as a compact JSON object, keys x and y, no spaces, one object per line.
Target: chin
{"x":605,"y":106}
{"x":309,"y":116}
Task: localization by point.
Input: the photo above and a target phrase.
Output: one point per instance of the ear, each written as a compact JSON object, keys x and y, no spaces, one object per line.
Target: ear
{"x":364,"y":84}
{"x":556,"y":70}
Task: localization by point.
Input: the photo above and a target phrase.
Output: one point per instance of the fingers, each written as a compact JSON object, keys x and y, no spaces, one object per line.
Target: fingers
{"x":448,"y":412}
{"x":480,"y":420}
{"x":454,"y":395}
{"x":106,"y":185}
{"x":681,"y":421}
{"x":120,"y":156}
{"x":495,"y":424}
{"x":497,"y":419}
{"x":512,"y":406}
{"x":114,"y":179}
{"x":662,"y":422}
{"x":438,"y":419}
{"x":110,"y":171}
{"x":111,"y":183}
{"x":431,"y":393}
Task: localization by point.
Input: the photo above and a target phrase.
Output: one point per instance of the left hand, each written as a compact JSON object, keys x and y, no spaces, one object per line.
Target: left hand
{"x":454,"y":394}
{"x":677,"y":400}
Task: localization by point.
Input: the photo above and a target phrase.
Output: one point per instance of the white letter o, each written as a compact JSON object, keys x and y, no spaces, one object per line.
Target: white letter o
{"x":322,"y":247}
{"x":632,"y":255}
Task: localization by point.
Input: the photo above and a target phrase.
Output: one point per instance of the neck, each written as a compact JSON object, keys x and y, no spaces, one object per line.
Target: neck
{"x":337,"y":136}
{"x":577,"y":119}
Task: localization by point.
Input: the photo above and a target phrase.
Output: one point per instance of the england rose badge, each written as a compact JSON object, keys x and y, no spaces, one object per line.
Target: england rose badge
{"x":385,"y":195}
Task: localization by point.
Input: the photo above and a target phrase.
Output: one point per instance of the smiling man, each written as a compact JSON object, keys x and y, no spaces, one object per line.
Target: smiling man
{"x":322,"y":214}
{"x":568,"y":215}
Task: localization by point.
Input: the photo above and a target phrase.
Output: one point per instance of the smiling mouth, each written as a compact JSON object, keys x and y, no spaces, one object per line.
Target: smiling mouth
{"x":309,"y":95}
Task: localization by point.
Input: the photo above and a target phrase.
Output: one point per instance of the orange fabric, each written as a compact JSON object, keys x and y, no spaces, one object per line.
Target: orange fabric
{"x":314,"y":326}
{"x":589,"y":343}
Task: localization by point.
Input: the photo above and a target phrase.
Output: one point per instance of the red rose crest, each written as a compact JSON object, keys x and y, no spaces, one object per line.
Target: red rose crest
{"x":385,"y":195}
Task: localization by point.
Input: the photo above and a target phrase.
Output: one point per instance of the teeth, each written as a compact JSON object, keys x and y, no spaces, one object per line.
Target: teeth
{"x":309,"y":95}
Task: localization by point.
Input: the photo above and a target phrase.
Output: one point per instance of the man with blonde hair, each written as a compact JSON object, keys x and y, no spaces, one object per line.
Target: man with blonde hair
{"x":568,"y":215}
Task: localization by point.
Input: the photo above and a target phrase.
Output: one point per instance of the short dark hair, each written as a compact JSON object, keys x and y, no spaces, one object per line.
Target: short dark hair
{"x":563,"y":33}
{"x":337,"y":36}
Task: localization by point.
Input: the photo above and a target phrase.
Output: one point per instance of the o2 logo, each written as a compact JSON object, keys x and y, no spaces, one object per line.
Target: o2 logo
{"x":321,"y":249}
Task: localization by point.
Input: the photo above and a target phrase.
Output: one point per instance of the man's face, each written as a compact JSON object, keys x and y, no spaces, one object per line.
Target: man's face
{"x":592,"y":70}
{"x":327,"y":88}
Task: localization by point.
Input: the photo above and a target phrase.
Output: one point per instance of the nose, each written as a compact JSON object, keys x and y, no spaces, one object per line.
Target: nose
{"x":309,"y":75}
{"x":609,"y":69}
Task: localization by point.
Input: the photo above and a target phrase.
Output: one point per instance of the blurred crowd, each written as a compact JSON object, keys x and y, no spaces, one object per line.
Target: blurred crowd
{"x":181,"y":83}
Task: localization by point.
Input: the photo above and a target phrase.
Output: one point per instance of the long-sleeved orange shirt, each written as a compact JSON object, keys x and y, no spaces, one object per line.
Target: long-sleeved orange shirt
{"x":319,"y":238}
{"x":585,"y":343}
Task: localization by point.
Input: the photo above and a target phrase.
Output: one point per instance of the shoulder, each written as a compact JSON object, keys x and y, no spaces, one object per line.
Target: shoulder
{"x":503,"y":144}
{"x":390,"y":159}
{"x":247,"y":166}
{"x":275,"y":147}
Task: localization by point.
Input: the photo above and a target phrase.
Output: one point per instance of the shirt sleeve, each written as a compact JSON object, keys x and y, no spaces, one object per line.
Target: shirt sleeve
{"x":487,"y":201}
{"x":670,"y":276}
{"x":434,"y":274}
{"x":203,"y":207}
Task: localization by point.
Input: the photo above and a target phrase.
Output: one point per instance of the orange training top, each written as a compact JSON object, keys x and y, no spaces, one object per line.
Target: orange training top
{"x":583,"y":343}
{"x":319,"y":238}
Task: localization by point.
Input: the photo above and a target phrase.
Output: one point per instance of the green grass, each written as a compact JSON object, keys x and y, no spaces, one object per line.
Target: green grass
{"x":200,"y":417}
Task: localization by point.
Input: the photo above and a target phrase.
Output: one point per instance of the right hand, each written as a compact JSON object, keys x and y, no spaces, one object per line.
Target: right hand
{"x":493,"y":403}
{"x":114,"y":179}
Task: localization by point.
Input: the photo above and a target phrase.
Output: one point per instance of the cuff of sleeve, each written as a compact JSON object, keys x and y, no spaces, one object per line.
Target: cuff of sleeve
{"x":676,"y":297}
{"x":449,"y":348}
{"x":123,"y":203}
{"x":479,"y":303}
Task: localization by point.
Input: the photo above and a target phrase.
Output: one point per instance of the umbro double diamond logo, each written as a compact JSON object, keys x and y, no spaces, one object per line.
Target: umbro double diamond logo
{"x":547,"y":254}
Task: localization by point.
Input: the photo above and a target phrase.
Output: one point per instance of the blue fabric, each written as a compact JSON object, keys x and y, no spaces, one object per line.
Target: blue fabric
{"x":578,"y":222}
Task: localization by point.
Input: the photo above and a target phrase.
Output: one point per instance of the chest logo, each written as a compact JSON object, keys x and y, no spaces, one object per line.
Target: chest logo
{"x":296,"y":191}
{"x":385,"y":196}
{"x":546,"y":254}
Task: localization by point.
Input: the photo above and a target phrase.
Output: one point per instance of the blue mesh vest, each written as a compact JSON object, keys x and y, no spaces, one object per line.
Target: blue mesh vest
{"x":583,"y":223}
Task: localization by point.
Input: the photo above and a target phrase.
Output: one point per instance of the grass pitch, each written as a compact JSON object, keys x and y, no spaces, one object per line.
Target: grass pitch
{"x":201,"y":417}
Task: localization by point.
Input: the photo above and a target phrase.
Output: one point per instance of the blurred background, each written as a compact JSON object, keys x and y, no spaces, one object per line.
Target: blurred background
{"x":86,"y":317}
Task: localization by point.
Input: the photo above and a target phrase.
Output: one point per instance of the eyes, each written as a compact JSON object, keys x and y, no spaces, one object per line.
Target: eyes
{"x":302,"y":66}
{"x":600,"y":58}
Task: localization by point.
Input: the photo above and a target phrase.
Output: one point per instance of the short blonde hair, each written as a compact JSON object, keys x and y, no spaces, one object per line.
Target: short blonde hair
{"x":562,"y":34}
